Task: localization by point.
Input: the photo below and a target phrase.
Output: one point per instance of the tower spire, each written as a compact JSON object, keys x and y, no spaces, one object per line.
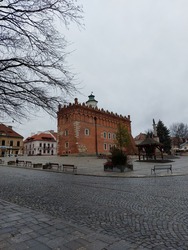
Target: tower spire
{"x":92,"y":102}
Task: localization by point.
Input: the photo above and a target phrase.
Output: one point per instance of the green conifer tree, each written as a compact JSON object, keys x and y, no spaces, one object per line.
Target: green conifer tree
{"x":164,"y":136}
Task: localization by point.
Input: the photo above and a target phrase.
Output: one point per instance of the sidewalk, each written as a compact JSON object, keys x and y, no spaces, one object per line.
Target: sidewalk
{"x":22,"y":228}
{"x":94,"y":166}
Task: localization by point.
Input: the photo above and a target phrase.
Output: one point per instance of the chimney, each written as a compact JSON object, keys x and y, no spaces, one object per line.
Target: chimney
{"x":76,"y":101}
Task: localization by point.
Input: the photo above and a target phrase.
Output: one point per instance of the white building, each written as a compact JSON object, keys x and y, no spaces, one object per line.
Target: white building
{"x":42,"y":143}
{"x":184,"y":146}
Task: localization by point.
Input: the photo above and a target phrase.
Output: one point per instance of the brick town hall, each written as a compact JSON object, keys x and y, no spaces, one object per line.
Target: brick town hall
{"x":86,"y":129}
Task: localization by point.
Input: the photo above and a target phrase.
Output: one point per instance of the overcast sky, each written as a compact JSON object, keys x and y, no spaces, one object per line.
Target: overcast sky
{"x":133,"y":55}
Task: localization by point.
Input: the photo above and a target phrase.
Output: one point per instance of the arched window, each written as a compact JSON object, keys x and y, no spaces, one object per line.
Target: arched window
{"x":109,"y":135}
{"x":87,"y":131}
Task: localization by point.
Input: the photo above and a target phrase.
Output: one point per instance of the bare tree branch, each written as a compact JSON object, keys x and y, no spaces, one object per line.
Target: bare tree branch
{"x":33,"y":66}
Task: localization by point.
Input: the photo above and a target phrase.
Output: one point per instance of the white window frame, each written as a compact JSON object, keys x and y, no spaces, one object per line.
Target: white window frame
{"x":87,"y":132}
{"x":66,"y":132}
{"x":109,"y":135}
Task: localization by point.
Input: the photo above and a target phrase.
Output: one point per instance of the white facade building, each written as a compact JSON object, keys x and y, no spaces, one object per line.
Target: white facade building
{"x":42,"y":143}
{"x":184,"y":146}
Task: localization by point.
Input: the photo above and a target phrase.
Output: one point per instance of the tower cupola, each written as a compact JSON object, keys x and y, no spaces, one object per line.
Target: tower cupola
{"x":92,"y":102}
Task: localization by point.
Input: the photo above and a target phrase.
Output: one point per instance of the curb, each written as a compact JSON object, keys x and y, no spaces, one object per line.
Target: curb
{"x":98,"y":175}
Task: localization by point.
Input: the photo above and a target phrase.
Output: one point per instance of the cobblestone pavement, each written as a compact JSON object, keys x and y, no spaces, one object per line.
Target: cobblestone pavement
{"x":83,"y":212}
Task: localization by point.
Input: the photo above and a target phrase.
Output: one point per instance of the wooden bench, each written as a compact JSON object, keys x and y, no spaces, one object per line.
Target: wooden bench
{"x":28,"y":164}
{"x":69,"y":166}
{"x":162,"y":167}
{"x":56,"y":165}
{"x":37,"y":165}
{"x":1,"y":161}
{"x":11,"y":163}
{"x":20,"y":163}
{"x":50,"y":165}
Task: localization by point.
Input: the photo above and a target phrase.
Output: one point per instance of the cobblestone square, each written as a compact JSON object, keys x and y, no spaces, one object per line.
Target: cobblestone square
{"x":49,"y":210}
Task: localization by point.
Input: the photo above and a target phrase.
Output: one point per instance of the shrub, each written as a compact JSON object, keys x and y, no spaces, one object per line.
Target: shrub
{"x":119,"y":158}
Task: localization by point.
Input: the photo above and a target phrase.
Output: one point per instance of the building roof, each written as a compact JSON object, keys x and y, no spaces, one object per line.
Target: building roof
{"x":8,"y":131}
{"x":140,"y":137}
{"x":149,"y":142}
{"x":92,"y":101}
{"x":184,"y":144}
{"x":43,"y":136}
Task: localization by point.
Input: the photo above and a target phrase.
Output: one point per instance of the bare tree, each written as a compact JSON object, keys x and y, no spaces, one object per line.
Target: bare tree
{"x":179,"y":131}
{"x":33,"y":69}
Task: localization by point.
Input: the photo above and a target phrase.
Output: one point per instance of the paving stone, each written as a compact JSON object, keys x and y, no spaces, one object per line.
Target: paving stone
{"x":31,"y":242}
{"x":99,"y":245}
{"x":92,"y":212}
{"x":19,"y":238}
{"x":40,"y":246}
{"x":20,"y":246}
{"x":73,"y":245}
{"x":57,"y":242}
{"x":4,"y":244}
{"x":7,"y":230}
{"x":42,"y":239}
{"x":25,"y":230}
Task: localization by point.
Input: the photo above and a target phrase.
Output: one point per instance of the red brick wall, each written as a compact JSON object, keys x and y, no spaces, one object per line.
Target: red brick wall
{"x":76,"y":118}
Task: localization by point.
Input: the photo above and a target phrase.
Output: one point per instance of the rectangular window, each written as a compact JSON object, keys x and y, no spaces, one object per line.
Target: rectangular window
{"x":44,"y":145}
{"x":48,"y":145}
{"x":52,"y":145}
{"x":40,"y":145}
{"x":105,"y":146}
{"x":66,"y":144}
{"x":3,"y":142}
{"x":18,"y":143}
{"x":104,"y":134}
{"x":66,"y":132}
{"x":11,"y":143}
{"x":86,"y":131}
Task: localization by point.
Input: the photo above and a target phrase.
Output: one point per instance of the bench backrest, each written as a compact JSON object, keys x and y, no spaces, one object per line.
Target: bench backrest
{"x":68,"y":165}
{"x":163,"y":166}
